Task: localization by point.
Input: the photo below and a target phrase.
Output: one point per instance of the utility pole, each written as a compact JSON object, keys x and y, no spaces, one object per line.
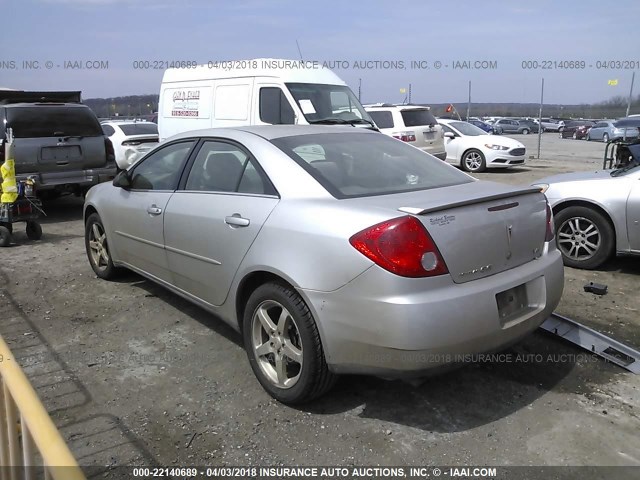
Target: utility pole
{"x":633,"y":76}
{"x":540,"y":117}
{"x":359,"y":89}
{"x":469,"y":101}
{"x":409,"y":94}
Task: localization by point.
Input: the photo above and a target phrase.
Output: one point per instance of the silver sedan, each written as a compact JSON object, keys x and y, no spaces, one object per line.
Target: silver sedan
{"x":331,"y":249}
{"x":596,"y":214}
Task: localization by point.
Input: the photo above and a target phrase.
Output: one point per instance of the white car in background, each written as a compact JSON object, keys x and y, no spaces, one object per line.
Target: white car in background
{"x":131,"y":139}
{"x":475,"y":150}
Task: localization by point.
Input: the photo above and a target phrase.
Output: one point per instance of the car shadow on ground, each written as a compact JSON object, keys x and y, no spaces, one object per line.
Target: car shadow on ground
{"x":476,"y":394}
{"x":622,"y":264}
{"x":63,"y":209}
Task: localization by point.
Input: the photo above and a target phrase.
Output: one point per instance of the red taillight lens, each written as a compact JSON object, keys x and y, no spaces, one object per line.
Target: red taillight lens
{"x":551,"y":231}
{"x":402,"y":246}
{"x":405,"y":136}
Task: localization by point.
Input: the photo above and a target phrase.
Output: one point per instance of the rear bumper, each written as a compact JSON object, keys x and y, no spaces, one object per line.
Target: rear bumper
{"x":70,"y":179}
{"x":386,"y":325}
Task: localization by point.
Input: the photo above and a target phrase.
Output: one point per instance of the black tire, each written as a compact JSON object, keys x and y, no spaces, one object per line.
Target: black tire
{"x":525,"y":131}
{"x":473,"y":161}
{"x":605,"y":137}
{"x":102,"y":267}
{"x":561,"y":129}
{"x":5,"y":236}
{"x":313,"y":377}
{"x":605,"y":240}
{"x":34,"y":230}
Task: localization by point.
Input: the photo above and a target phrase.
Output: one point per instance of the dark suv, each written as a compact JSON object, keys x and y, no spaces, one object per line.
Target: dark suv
{"x":57,"y":141}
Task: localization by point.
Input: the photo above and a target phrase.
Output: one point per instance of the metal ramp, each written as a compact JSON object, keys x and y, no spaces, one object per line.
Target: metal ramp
{"x":596,"y":342}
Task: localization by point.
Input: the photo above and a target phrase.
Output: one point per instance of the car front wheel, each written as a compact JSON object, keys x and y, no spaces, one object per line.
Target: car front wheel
{"x":473,"y":161}
{"x":283,"y":345}
{"x":95,"y":240}
{"x":584,"y":237}
{"x":605,"y":138}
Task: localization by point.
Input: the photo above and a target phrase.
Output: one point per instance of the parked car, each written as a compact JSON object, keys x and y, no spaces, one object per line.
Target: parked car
{"x":513,"y":126}
{"x":331,"y":249}
{"x":551,"y":125}
{"x":531,"y":125}
{"x":475,"y":150}
{"x":415,"y":125}
{"x":576,"y":129}
{"x":58,"y":141}
{"x":130,"y":139}
{"x":490,"y":129}
{"x":606,"y":130}
{"x":595,"y":214}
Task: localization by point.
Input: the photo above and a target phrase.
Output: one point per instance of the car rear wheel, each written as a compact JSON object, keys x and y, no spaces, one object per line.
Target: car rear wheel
{"x":283,"y":345}
{"x":605,"y":137}
{"x":584,"y":237}
{"x":473,"y":161}
{"x":525,"y":132}
{"x":575,"y":135}
{"x":95,"y":239}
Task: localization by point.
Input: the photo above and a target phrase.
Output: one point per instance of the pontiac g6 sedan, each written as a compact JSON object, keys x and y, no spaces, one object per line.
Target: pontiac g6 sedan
{"x":331,"y":249}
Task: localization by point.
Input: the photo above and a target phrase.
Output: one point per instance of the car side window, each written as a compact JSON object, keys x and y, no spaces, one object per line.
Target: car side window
{"x":161,"y":170}
{"x":108,"y":130}
{"x":224,"y":167}
{"x":274,"y":107}
{"x":382,"y":118}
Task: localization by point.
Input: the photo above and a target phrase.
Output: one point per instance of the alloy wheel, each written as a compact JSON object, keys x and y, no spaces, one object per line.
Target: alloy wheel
{"x":473,"y":161}
{"x":277,"y":344}
{"x":98,"y":248}
{"x":579,"y":238}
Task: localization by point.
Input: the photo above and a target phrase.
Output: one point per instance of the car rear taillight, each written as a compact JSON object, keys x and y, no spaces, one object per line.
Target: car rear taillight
{"x":111,"y":154}
{"x":131,"y":143}
{"x":550,"y":227}
{"x":402,"y":246}
{"x":405,"y":136}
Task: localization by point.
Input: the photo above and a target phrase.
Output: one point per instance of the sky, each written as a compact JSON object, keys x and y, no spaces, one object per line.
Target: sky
{"x":512,"y":38}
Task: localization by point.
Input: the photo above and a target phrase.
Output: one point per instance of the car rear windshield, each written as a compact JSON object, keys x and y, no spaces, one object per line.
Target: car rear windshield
{"x":360,"y":164}
{"x":139,"y":128}
{"x":52,"y":121}
{"x":418,"y":117}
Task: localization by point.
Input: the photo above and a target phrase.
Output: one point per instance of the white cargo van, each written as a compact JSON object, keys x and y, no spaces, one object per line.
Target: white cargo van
{"x":255,"y":92}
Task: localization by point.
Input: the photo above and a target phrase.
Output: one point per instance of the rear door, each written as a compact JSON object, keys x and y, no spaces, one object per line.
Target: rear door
{"x":211,"y":222}
{"x":137,"y":214}
{"x":424,"y":124}
{"x":56,"y":138}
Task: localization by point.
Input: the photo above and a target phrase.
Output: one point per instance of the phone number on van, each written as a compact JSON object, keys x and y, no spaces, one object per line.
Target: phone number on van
{"x":163,"y":64}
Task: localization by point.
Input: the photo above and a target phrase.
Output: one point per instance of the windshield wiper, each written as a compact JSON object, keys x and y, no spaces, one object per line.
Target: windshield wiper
{"x":620,"y":171}
{"x":341,"y":121}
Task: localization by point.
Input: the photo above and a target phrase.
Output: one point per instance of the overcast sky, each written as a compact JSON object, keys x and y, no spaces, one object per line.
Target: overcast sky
{"x":507,"y":32}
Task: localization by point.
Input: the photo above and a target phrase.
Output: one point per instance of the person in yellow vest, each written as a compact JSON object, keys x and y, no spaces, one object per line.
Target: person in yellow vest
{"x":8,"y":174}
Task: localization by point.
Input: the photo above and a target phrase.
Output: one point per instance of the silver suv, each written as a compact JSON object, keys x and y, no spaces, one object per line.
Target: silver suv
{"x":413,"y":124}
{"x":57,"y":141}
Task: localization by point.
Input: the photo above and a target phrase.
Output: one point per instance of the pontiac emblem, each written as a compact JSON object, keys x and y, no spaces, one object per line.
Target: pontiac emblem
{"x":509,"y":231}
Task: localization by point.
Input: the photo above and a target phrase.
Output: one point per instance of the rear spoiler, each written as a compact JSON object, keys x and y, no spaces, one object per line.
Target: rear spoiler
{"x":22,"y":96}
{"x":488,"y":198}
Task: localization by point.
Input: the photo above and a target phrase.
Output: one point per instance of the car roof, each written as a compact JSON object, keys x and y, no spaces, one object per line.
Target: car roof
{"x":270,"y":132}
{"x":388,"y":106}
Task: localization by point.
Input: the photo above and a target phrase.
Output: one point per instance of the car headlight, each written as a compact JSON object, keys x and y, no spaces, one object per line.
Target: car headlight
{"x":493,"y":146}
{"x":542,"y":186}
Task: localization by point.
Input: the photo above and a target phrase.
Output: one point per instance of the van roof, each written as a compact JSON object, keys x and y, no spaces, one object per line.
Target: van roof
{"x":289,"y":71}
{"x":269,"y":132}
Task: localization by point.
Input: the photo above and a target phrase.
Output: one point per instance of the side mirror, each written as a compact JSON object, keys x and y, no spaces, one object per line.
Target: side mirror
{"x":449,"y":135}
{"x":122,"y":180}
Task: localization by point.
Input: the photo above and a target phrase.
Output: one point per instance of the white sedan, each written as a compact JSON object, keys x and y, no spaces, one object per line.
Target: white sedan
{"x":131,"y":139}
{"x":475,"y":150}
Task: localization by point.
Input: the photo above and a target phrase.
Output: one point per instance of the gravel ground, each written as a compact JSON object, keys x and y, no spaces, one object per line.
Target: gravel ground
{"x":133,"y":374}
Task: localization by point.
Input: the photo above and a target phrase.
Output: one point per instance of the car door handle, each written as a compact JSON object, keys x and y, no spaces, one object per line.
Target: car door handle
{"x":236,"y":220}
{"x":154,"y":210}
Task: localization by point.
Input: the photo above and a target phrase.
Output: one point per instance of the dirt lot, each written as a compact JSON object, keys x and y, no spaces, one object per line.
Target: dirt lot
{"x":136,"y":375}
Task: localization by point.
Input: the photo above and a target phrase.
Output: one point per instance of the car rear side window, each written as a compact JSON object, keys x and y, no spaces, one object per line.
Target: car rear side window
{"x":52,"y":121}
{"x":382,"y":118}
{"x":139,"y":128}
{"x":418,"y":117}
{"x":361,"y":164}
{"x":161,"y":170}
{"x":108,"y":130}
{"x":274,"y":107}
